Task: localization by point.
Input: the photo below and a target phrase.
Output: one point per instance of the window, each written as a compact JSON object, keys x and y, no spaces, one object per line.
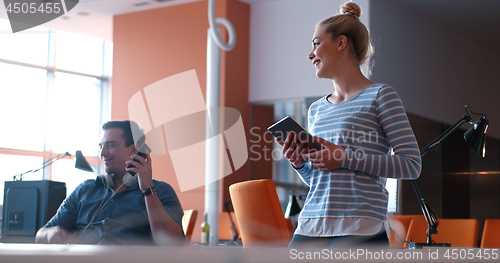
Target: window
{"x":24,"y":119}
{"x":16,"y":164}
{"x":79,"y":53}
{"x":31,"y":47}
{"x":54,"y":99}
{"x":75,"y":114}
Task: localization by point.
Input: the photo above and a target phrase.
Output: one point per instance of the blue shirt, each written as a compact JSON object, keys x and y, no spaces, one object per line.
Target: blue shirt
{"x":123,"y":219}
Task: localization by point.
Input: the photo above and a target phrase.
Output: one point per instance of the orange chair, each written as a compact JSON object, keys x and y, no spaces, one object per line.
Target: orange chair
{"x":400,"y":225}
{"x":259,"y":214}
{"x":491,"y":234}
{"x":188,"y":221}
{"x":225,"y":226}
{"x":457,"y":232}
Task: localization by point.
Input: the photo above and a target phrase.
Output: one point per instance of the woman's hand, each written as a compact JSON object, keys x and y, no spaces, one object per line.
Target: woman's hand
{"x":330,"y":158}
{"x":293,"y":153}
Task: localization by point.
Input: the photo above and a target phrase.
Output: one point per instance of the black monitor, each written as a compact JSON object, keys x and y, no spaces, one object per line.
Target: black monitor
{"x":27,"y":206}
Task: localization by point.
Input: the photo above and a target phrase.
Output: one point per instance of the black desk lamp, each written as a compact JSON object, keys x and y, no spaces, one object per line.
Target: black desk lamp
{"x":80,"y":163}
{"x":475,"y":137}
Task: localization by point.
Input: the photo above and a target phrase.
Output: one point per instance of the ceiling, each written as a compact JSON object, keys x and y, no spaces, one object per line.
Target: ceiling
{"x":95,"y":17}
{"x":474,"y":18}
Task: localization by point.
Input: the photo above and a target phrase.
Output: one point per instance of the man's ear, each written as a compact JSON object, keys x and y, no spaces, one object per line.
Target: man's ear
{"x":133,"y":149}
{"x":342,"y":41}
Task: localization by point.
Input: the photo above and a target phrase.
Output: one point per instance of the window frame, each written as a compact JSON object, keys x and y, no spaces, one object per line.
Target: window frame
{"x":105,"y":100}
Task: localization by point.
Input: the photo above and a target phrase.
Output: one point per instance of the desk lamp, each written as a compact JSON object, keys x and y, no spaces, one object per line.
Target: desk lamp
{"x":475,"y":137}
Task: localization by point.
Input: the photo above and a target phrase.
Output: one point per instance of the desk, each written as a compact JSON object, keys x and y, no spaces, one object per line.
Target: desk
{"x":42,"y":253}
{"x":38,"y":253}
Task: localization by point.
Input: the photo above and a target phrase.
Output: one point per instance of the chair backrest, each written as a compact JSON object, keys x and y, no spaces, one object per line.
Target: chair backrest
{"x":225,"y":227}
{"x":259,"y":214}
{"x":188,"y":221}
{"x":400,"y":225}
{"x":457,"y":232}
{"x":491,"y":234}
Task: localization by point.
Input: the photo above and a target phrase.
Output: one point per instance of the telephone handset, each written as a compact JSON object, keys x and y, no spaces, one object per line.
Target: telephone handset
{"x":143,"y":150}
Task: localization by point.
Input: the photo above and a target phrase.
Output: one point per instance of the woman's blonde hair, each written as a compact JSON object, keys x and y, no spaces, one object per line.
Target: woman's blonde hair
{"x":347,"y":24}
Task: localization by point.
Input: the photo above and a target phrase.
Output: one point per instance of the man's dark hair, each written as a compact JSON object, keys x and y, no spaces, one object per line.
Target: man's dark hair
{"x":127,"y":127}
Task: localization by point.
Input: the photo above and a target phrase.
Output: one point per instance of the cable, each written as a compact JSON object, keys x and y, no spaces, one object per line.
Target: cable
{"x":467,"y":107}
{"x":398,"y":237}
{"x":99,"y":208}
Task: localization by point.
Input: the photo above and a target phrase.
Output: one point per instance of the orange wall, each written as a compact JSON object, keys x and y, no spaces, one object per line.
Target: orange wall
{"x":155,"y":44}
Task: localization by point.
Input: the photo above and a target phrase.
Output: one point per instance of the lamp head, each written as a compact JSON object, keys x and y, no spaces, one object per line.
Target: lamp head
{"x":293,"y":207}
{"x":81,"y":163}
{"x":476,"y":136}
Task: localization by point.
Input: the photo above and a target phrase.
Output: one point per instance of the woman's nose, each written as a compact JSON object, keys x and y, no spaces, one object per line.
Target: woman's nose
{"x":311,"y":56}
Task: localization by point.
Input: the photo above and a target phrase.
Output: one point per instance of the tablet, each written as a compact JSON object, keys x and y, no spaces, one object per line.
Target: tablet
{"x":281,"y":129}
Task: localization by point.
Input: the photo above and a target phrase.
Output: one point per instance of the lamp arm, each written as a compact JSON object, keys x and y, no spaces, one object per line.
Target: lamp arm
{"x":45,"y":164}
{"x":430,"y":217}
{"x":445,"y":134}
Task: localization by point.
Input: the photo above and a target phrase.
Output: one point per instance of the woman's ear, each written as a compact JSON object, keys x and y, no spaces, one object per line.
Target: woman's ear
{"x":342,"y":42}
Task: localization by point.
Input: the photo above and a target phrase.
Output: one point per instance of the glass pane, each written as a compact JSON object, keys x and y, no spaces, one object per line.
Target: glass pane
{"x":391,"y":186}
{"x":64,"y":171}
{"x":22,"y":104}
{"x":29,"y":46}
{"x":75,"y":114}
{"x":16,"y":164}
{"x":79,"y":53}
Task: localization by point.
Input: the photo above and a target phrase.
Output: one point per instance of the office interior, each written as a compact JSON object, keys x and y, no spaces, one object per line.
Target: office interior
{"x":438,"y":55}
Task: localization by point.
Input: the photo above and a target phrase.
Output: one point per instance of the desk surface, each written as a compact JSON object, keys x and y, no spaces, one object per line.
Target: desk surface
{"x":40,"y":253}
{"x":27,"y":253}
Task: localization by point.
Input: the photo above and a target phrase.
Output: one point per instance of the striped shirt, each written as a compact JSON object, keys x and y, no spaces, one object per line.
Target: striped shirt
{"x":368,"y":126}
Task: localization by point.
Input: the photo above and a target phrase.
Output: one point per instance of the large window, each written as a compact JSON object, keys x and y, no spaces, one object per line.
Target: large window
{"x":54,"y":89}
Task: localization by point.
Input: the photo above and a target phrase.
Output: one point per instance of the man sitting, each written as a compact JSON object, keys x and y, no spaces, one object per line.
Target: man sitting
{"x":118,"y":208}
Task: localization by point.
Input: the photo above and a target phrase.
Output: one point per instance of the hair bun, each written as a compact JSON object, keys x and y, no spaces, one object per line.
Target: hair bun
{"x":351,"y":8}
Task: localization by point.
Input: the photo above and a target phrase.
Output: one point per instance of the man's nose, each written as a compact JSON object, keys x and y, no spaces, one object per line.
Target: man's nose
{"x":103,"y":152}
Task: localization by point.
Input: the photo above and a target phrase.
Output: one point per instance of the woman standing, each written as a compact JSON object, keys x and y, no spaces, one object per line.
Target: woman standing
{"x":366,"y":137}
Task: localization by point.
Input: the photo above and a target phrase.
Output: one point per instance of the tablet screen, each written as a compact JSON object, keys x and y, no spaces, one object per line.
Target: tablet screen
{"x":286,"y":125}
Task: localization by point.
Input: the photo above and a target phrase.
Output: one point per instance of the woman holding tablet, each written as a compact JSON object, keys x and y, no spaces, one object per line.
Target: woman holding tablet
{"x":366,"y":137}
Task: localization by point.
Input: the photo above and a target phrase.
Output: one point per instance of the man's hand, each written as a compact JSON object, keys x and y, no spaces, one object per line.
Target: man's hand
{"x":142,"y":169}
{"x":164,"y":229}
{"x":54,"y":235}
